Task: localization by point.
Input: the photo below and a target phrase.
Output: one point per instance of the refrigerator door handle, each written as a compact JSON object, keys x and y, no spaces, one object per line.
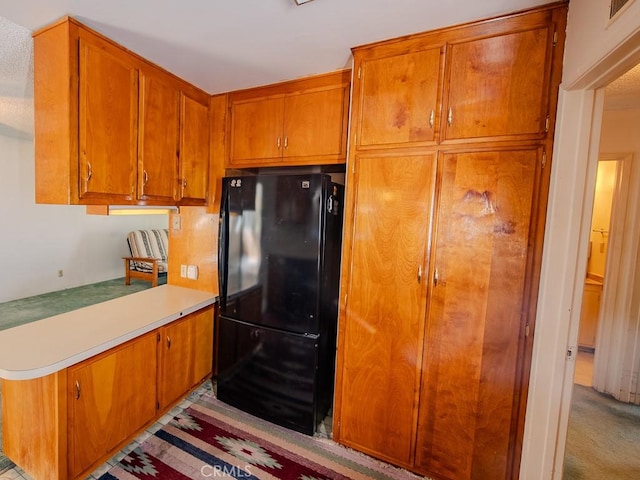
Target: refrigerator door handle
{"x":223,"y":234}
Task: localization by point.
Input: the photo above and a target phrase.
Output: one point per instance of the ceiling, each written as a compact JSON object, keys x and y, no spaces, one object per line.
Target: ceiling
{"x":222,"y":46}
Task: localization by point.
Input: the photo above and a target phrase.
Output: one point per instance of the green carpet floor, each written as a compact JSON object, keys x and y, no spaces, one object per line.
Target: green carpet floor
{"x":603,"y":441}
{"x":30,"y":309}
{"x":25,"y":310}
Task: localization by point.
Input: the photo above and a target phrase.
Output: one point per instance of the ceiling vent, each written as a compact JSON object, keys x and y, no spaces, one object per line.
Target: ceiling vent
{"x":616,"y":6}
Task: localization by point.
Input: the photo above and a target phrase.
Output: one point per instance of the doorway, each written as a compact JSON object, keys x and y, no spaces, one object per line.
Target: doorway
{"x":605,"y":190}
{"x":601,"y":413}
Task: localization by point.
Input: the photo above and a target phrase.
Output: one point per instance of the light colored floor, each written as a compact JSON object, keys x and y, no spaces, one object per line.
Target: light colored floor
{"x":584,"y":369}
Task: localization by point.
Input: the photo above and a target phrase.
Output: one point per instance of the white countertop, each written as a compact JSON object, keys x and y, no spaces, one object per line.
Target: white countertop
{"x":46,"y":346}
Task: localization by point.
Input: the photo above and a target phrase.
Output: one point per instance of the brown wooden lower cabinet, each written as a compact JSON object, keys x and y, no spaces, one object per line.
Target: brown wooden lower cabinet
{"x":64,"y":425}
{"x":432,"y":333}
{"x":110,"y":396}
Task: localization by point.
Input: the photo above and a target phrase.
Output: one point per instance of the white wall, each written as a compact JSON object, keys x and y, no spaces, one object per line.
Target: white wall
{"x":38,"y":240}
{"x":596,"y":51}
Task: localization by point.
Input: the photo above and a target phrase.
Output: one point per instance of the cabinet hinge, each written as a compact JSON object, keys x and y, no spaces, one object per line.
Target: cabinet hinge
{"x":355,"y":139}
{"x":359,"y":73}
{"x":158,"y":337}
{"x":157,"y":405}
{"x":546,"y":124}
{"x":555,"y":38}
{"x":544,"y":158}
{"x":345,"y":299}
{"x":526,"y":330}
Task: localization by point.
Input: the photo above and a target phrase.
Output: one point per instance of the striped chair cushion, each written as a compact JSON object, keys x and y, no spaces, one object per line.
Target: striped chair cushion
{"x":149,"y":243}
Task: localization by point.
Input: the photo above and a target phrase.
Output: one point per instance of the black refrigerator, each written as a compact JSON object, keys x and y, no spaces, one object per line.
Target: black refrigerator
{"x":279,"y":270}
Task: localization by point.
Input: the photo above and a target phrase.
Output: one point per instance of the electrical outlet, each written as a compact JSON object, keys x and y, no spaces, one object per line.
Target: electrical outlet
{"x":175,"y":221}
{"x":183,"y":271}
{"x":192,"y":272}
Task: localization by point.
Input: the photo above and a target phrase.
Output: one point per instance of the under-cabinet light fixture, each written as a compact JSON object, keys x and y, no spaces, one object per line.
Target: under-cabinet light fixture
{"x":129,"y":210}
{"x":302,"y":2}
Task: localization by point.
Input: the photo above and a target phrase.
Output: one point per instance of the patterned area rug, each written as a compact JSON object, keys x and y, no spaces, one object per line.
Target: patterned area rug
{"x":212,"y":440}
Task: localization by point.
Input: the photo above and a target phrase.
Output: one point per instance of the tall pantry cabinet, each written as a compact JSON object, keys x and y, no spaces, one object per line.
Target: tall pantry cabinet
{"x":447,"y":175}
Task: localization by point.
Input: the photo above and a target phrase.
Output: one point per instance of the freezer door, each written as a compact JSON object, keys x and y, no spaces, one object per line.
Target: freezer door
{"x":268,"y":373}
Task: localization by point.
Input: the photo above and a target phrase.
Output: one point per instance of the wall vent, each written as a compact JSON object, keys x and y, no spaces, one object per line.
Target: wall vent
{"x":616,"y":6}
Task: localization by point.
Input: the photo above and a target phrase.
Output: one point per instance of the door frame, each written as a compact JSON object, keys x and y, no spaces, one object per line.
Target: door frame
{"x":575,"y":157}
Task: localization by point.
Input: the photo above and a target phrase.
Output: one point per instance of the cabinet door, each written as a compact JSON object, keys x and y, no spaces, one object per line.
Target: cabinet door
{"x":194,"y":151}
{"x":108,"y":120}
{"x":474,"y":337}
{"x":158,"y":138}
{"x":589,"y":315}
{"x":202,"y":344}
{"x":499,"y":86}
{"x":399,"y":99}
{"x":256,"y":130}
{"x":384,"y":317}
{"x":176,"y":361}
{"x":111,"y":396}
{"x":314,"y":126}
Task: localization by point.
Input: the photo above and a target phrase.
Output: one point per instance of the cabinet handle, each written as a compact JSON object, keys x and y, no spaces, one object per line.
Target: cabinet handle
{"x":435,"y":277}
{"x":89,"y":171}
{"x":278,"y":143}
{"x":184,"y":183}
{"x":286,"y":142}
{"x":420,"y":274}
{"x":145,"y":178}
{"x":77,"y":390}
{"x":432,"y":118}
{"x":450,"y":116}
{"x":168,"y":341}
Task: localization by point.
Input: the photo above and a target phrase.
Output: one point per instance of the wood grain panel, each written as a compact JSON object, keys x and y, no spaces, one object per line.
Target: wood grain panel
{"x":498,"y":86}
{"x":194,"y":244}
{"x":470,"y":380}
{"x":34,"y":418}
{"x":256,"y":127}
{"x":314,"y":124}
{"x":218,"y":122}
{"x":108,"y":121}
{"x":194,"y":150}
{"x":176,"y":361}
{"x":399,"y":99}
{"x":55,"y":124}
{"x":203,"y":327}
{"x":116,"y":396}
{"x":381,"y":357}
{"x":158,"y":137}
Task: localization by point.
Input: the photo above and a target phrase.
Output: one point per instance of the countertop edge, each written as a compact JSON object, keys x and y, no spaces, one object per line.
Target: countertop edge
{"x":33,"y":373}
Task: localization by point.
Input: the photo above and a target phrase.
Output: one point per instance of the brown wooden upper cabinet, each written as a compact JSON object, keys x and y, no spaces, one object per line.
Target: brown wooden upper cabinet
{"x":111,"y":128}
{"x":292,"y":123}
{"x":158,"y":137}
{"x":399,"y":98}
{"x":483,"y":82}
